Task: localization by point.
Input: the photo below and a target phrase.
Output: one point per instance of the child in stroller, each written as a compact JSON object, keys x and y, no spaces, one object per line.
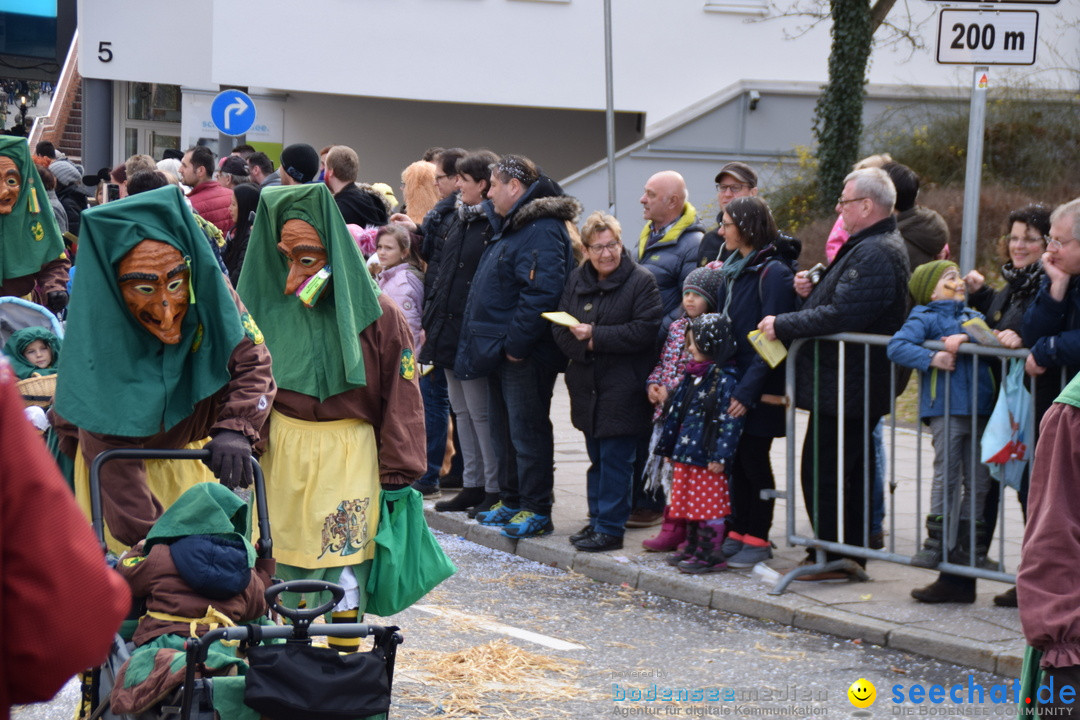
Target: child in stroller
{"x":33,"y":352}
{"x":196,"y":571}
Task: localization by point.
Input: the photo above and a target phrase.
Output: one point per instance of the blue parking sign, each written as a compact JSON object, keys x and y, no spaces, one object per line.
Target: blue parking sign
{"x":233,"y":112}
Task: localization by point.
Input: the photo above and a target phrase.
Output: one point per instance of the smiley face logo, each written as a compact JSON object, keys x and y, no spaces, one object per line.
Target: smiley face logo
{"x":862,"y":693}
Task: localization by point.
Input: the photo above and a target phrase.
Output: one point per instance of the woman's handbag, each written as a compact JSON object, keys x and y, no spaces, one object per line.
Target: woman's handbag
{"x":408,"y":560}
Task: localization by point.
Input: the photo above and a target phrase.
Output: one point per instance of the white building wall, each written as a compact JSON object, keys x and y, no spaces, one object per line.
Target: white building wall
{"x":508,"y":52}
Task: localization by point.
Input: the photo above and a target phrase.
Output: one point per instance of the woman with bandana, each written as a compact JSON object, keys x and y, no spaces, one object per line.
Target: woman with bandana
{"x":159,"y":353}
{"x":348,"y":415}
{"x":32,"y":256}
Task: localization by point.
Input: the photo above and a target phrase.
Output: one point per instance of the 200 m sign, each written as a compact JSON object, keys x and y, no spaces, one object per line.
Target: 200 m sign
{"x":1000,"y":37}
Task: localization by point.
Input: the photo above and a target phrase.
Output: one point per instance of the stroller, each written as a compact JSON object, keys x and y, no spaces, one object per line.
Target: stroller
{"x":17,"y":314}
{"x":287,"y":677}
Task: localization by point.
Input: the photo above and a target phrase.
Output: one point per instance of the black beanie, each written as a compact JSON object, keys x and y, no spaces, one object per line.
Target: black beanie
{"x":300,"y":162}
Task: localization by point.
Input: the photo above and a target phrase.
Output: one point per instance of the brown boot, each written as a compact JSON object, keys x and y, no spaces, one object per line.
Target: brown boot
{"x":947,"y":589}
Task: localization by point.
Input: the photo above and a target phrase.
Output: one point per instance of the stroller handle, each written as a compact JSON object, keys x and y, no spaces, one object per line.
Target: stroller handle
{"x":265,"y":545}
{"x":304,"y":617}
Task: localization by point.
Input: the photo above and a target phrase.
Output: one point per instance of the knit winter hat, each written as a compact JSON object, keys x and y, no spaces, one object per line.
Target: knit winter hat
{"x":704,"y":281}
{"x":714,"y":336}
{"x":300,"y":162}
{"x":66,"y":172}
{"x":925,"y":279}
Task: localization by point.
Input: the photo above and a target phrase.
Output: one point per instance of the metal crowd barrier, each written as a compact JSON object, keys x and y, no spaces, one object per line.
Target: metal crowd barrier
{"x":895,"y":479}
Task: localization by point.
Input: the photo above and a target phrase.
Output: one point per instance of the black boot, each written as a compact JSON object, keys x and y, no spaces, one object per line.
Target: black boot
{"x":465,"y":499}
{"x":485,"y":504}
{"x":930,"y":554}
{"x":947,"y":589}
{"x":964,"y":555}
{"x":692,"y":541}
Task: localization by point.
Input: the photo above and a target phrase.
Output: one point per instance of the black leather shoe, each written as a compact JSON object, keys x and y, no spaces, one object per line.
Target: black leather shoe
{"x":599,"y":542}
{"x":465,"y":499}
{"x":580,"y":535}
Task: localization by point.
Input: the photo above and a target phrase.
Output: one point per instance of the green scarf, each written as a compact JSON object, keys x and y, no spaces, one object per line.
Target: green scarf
{"x":731,"y":270}
{"x":1071,"y":394}
{"x":207,"y":508}
{"x":16,"y":346}
{"x":688,"y":218}
{"x":316,"y":350}
{"x":120,"y":379}
{"x":29,"y":235}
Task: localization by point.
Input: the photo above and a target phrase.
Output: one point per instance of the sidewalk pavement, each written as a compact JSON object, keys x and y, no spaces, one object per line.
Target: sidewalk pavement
{"x":881,"y":611}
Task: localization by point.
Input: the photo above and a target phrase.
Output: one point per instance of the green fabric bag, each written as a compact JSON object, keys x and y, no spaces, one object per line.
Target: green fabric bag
{"x":1030,"y":679}
{"x":408,"y":560}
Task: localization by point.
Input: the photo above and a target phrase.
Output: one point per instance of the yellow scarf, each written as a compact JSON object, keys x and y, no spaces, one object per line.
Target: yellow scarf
{"x":688,"y":218}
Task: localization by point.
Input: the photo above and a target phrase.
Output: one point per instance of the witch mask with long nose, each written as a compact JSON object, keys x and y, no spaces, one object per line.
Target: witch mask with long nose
{"x":155,"y":281}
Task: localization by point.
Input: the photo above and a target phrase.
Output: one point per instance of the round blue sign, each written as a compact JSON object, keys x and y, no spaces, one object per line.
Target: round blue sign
{"x":233,"y":112}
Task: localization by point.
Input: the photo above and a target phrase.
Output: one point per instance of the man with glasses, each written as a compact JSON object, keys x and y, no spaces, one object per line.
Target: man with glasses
{"x":734,"y":180}
{"x":863,"y":290}
{"x":1052,"y":323}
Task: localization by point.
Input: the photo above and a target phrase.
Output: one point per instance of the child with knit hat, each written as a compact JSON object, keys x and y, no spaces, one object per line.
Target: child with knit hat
{"x":939,"y":314}
{"x":699,"y":297}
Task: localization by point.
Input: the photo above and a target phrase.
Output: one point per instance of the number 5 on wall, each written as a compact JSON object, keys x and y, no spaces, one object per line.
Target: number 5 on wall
{"x":104,"y":51}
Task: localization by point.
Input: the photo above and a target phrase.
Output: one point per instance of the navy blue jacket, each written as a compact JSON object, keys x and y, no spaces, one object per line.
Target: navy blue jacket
{"x":521,"y":274}
{"x":763,"y":288}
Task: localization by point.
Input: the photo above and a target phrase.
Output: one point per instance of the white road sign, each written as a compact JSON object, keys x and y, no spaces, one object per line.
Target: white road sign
{"x":992,"y":37}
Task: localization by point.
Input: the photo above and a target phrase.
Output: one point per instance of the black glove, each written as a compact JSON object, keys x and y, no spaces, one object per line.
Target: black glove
{"x":230,"y":459}
{"x":57,"y":300}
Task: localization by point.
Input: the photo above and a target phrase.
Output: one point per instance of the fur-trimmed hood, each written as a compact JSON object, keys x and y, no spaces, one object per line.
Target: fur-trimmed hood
{"x":558,"y":207}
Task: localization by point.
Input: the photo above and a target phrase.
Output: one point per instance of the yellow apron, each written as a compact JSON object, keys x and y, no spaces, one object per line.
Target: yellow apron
{"x":167,"y":480}
{"x":322,"y":491}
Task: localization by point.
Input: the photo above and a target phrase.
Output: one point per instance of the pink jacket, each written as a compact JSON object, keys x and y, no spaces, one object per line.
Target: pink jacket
{"x":405,"y":285}
{"x":673,"y":357}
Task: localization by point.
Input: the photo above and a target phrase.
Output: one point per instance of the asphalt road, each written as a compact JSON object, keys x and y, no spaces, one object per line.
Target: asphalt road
{"x":507,"y":637}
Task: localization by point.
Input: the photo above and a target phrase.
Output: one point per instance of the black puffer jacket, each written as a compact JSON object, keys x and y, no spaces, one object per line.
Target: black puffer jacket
{"x":444,"y":302}
{"x":864,"y":290}
{"x":437,"y":226}
{"x":607,"y":383}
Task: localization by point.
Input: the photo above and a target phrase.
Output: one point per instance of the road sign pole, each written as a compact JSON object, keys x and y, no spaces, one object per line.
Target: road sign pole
{"x":969,"y":235}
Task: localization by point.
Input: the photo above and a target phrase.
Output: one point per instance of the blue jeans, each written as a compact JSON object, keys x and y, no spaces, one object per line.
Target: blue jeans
{"x":610,"y":480}
{"x":877,"y":490}
{"x":519,"y":414}
{"x":436,"y":420}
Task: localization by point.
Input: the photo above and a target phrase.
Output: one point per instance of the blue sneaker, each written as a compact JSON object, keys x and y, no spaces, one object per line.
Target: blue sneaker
{"x":527,"y":524}
{"x":499,"y":514}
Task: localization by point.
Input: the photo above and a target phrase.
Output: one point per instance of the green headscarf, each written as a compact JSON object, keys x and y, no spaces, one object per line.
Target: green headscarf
{"x":16,"y":346}
{"x":316,"y":350}
{"x":207,"y":508}
{"x":117,"y":378}
{"x":29,"y":235}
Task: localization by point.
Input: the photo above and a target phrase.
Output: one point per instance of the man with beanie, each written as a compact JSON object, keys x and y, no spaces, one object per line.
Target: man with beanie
{"x":670,"y":240}
{"x":33,"y":259}
{"x":945,"y":405}
{"x":863,"y":290}
{"x":299,"y":164}
{"x":70,"y":191}
{"x":207,"y":196}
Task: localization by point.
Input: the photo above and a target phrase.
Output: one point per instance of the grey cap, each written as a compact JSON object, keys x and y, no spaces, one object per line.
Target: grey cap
{"x":740,"y":171}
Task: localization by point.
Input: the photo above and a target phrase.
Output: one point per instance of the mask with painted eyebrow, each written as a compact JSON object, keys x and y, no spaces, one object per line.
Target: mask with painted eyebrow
{"x":155,"y":284}
{"x":10,"y":184}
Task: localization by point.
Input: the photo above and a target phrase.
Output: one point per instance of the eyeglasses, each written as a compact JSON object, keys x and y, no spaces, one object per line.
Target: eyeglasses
{"x":725,"y":224}
{"x":443,"y":177}
{"x":611,"y":247}
{"x":1027,"y":239}
{"x":1055,"y":244}
{"x":841,"y":201}
{"x":732,"y":187}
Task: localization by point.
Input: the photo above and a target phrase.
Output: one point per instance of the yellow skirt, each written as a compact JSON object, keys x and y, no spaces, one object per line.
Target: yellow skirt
{"x":167,"y":480}
{"x":322,"y":491}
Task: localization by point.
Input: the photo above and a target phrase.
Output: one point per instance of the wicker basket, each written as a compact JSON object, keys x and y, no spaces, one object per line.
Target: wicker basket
{"x":38,"y":390}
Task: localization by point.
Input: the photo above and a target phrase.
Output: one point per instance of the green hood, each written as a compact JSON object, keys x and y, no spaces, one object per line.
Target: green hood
{"x":29,"y":235}
{"x":16,"y":345}
{"x":204,"y":509}
{"x":121,"y":380}
{"x":316,"y":350}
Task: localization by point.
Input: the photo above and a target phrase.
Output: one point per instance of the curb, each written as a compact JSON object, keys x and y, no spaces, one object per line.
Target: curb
{"x":794,"y":610}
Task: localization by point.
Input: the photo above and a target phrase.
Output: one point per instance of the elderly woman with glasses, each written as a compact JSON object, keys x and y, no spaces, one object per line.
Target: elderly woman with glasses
{"x":617,"y":312}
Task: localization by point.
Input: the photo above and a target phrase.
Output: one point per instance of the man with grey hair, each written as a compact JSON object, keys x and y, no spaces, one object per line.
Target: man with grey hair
{"x":668,"y":245}
{"x":863,"y":290}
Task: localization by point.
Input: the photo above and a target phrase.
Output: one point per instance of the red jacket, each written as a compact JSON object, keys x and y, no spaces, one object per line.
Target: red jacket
{"x":212,"y":201}
{"x":60,"y":605}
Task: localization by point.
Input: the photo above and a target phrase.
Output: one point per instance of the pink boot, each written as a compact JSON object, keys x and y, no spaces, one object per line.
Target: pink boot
{"x":672,"y":534}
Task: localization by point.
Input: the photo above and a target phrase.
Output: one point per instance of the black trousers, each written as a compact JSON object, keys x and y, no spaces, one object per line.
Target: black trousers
{"x":820,"y":457}
{"x":751,"y":472}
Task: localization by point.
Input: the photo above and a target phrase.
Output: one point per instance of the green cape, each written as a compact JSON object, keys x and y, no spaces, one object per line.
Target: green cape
{"x":207,"y":508}
{"x":316,"y":350}
{"x":29,"y":235}
{"x":1070,"y":395}
{"x":16,"y":345}
{"x":120,"y":379}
